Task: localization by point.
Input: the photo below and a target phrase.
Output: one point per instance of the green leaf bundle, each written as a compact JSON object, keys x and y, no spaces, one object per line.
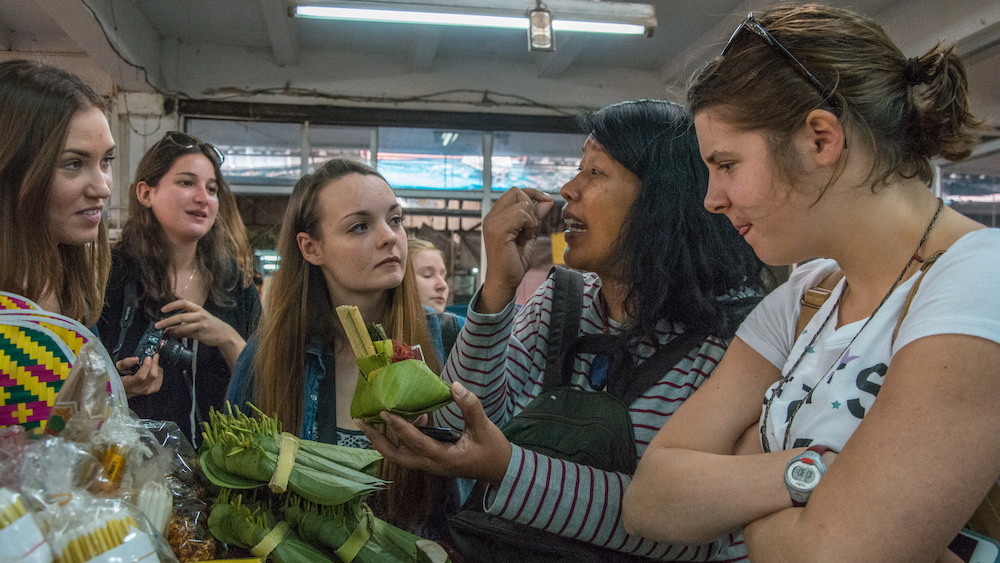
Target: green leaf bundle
{"x":240,"y":452}
{"x":331,"y":526}
{"x":245,"y":525}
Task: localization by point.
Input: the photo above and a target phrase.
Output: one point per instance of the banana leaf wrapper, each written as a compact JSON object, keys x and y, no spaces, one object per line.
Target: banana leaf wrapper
{"x":408,"y":388}
{"x":381,"y":359}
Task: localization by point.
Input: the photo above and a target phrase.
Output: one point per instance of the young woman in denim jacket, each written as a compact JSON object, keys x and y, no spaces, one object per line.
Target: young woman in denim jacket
{"x":341,"y":243}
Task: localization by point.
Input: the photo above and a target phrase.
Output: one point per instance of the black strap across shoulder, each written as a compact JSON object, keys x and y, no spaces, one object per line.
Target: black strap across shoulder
{"x":129,"y":305}
{"x":564,"y":320}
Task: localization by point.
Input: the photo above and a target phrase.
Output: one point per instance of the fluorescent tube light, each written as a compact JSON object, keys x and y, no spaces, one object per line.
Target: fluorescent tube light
{"x":472,"y":20}
{"x":598,"y":27}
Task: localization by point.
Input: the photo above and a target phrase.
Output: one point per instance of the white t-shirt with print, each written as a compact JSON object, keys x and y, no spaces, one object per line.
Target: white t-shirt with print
{"x":960,"y":295}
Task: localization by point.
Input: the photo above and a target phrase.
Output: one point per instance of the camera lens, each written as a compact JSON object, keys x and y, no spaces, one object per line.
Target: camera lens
{"x":172,"y":354}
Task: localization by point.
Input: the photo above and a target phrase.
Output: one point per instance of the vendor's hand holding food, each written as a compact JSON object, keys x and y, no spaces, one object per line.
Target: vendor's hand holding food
{"x":483,"y":452}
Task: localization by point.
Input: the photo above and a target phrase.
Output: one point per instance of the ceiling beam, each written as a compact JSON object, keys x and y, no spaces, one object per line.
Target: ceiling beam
{"x":6,"y":38}
{"x":281,"y":32}
{"x":568,"y":48}
{"x":425,"y":45}
{"x":917,"y":26}
{"x":980,"y":44}
{"x":115,"y":35}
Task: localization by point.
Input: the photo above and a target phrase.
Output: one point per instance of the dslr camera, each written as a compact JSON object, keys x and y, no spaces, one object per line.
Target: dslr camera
{"x":172,"y":352}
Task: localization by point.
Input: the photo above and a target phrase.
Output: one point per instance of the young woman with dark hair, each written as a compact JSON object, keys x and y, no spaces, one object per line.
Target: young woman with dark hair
{"x":55,"y":177}
{"x":659,"y":268}
{"x":182,"y":266}
{"x":881,"y":413}
{"x":341,"y":243}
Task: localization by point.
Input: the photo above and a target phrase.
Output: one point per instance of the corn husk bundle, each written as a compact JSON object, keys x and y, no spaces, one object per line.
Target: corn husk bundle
{"x":406,"y":387}
{"x":351,"y":531}
{"x":242,"y":452}
{"x":319,"y":487}
{"x":252,"y":525}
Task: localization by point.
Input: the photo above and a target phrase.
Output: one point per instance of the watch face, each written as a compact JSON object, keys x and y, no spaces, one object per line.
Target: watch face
{"x":802,"y":476}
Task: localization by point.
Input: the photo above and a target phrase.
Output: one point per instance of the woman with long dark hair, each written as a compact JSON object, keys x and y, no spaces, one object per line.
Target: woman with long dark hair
{"x":181,"y":272}
{"x":661,"y":283}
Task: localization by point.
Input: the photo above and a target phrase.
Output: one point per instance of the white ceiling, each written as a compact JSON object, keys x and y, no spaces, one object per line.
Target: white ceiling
{"x":250,"y":50}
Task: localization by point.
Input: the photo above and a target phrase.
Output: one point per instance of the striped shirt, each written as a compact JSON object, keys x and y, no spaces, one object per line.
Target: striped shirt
{"x":501,"y":358}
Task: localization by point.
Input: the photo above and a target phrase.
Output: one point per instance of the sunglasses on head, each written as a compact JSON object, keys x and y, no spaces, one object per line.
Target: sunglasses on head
{"x":185,"y":141}
{"x":751,"y":25}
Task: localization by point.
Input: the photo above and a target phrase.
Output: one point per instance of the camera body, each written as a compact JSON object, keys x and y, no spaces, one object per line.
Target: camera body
{"x":172,"y":352}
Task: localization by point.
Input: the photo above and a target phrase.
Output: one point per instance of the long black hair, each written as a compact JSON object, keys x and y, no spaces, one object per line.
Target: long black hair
{"x":679,"y":261}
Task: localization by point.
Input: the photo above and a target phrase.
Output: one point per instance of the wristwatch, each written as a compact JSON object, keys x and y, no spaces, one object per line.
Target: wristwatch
{"x":803,"y":472}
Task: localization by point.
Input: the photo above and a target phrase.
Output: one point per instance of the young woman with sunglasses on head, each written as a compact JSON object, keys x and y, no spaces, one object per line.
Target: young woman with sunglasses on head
{"x":55,"y":177}
{"x":818,"y":134}
{"x":182,"y":266}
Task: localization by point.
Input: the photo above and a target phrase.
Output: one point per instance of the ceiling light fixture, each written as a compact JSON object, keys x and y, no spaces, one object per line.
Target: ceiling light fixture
{"x":540,"y":36}
{"x":566,"y":15}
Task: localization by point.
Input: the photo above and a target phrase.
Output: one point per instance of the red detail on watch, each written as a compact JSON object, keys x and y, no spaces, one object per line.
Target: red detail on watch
{"x":819,"y":450}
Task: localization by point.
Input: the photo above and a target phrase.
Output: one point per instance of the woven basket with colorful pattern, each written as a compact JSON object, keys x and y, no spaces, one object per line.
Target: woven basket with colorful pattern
{"x":37,"y":351}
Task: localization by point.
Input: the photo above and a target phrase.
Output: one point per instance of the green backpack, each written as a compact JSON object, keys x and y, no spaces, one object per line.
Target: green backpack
{"x":586,"y":427}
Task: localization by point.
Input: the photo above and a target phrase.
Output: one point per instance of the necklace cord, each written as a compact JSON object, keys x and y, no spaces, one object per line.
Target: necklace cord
{"x":188,"y":284}
{"x":788,"y":376}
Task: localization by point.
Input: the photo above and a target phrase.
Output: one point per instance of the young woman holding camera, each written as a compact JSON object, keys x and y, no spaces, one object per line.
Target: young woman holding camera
{"x":180,"y":286}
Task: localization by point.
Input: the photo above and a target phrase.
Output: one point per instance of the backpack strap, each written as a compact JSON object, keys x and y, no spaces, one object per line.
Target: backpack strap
{"x":564,"y":322}
{"x":129,"y":305}
{"x":814,"y":298}
{"x":629,"y":386}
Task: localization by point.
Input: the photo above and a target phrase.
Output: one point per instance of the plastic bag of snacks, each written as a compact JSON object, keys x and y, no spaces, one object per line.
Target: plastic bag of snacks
{"x":186,"y":528}
{"x":78,"y":526}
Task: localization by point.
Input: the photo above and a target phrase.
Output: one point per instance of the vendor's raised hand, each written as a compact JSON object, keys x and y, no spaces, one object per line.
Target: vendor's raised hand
{"x":193,"y":321}
{"x":483,"y":452}
{"x":509,"y":232}
{"x":147,"y":378}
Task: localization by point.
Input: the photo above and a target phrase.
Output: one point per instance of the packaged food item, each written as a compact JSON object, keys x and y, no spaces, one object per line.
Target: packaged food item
{"x":186,"y":529}
{"x":20,"y":537}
